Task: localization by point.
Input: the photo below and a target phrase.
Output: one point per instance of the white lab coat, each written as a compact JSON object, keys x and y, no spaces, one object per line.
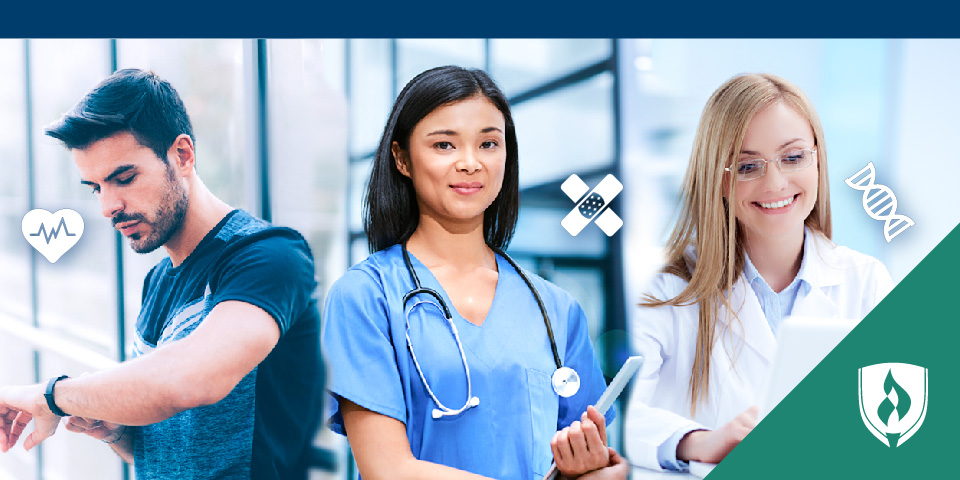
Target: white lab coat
{"x":845,"y":284}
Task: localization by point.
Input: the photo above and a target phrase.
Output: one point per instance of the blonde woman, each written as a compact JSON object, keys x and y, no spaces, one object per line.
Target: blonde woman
{"x":752,"y":246}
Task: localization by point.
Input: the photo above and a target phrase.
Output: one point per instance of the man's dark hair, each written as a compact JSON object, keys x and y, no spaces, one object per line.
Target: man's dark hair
{"x":390,"y":212}
{"x":130,"y":100}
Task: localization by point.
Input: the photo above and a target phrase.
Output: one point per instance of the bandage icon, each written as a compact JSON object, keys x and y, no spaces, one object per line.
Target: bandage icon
{"x":592,"y":206}
{"x":879,"y":202}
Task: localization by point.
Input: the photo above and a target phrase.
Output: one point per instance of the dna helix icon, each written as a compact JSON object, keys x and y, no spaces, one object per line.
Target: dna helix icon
{"x":879,"y":202}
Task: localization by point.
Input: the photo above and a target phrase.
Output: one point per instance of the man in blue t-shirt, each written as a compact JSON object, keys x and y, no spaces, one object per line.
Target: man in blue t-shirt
{"x":227,"y":381}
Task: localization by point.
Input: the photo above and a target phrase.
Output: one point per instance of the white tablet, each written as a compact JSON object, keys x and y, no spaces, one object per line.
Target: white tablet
{"x":627,"y":371}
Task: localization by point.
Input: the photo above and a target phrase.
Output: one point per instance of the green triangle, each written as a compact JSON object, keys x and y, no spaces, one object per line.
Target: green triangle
{"x":817,"y":431}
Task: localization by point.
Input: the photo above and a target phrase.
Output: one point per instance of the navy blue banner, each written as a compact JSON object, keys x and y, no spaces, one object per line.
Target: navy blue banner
{"x":548,"y":19}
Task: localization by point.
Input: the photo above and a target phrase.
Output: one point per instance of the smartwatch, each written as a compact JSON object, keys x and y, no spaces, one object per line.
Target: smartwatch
{"x":51,"y":403}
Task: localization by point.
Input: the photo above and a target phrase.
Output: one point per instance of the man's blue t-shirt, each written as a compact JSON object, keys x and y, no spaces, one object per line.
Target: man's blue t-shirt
{"x":262,"y":429}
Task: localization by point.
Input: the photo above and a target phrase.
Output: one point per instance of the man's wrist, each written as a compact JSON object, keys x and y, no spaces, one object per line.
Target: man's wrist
{"x":50,"y":396}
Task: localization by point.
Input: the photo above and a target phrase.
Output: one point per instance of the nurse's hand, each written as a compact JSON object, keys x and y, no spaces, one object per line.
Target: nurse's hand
{"x":712,"y":446}
{"x":618,"y":469}
{"x":581,"y":447}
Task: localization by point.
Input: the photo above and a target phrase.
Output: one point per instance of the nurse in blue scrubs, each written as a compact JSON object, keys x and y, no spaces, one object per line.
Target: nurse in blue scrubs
{"x":446,"y":360}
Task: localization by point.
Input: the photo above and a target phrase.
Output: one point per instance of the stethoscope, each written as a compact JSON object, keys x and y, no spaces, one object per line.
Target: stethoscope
{"x":565,"y":380}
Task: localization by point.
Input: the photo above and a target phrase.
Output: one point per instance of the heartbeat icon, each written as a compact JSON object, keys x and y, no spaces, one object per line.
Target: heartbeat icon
{"x":55,"y":242}
{"x":54,"y":232}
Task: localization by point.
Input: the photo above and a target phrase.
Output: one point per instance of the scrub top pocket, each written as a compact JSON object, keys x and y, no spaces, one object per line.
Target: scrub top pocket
{"x":544,"y":408}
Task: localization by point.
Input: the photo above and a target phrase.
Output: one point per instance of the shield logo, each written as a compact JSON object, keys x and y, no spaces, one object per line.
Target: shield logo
{"x":893,"y":400}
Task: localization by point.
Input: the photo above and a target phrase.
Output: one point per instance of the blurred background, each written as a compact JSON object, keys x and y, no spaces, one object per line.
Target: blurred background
{"x":287,"y":128}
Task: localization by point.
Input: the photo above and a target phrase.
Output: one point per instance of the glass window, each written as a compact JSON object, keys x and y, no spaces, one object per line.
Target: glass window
{"x":854,"y":108}
{"x":307,"y":121}
{"x":416,"y":55}
{"x":539,"y":233}
{"x":359,"y":250}
{"x":521,"y":64}
{"x":17,"y":358}
{"x":567,"y":131}
{"x":371,"y":93}
{"x":920,"y":124}
{"x":76,"y":295}
{"x":586,"y":286}
{"x":332,"y":54}
{"x":15,"y":253}
{"x":359,"y":179}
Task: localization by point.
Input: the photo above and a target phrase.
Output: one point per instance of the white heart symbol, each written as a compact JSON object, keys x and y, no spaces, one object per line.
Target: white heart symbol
{"x":52,"y":234}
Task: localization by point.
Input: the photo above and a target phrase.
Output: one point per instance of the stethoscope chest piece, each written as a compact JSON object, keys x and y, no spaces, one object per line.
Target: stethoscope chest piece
{"x":566,"y":382}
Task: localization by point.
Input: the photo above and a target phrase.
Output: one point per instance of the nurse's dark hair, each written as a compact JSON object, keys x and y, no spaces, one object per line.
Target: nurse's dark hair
{"x":130,"y":100}
{"x":390,"y":212}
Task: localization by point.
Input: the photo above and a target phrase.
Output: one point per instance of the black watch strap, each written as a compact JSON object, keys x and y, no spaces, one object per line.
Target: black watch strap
{"x":49,"y":396}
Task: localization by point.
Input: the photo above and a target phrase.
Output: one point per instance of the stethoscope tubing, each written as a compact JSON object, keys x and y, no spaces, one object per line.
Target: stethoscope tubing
{"x":443,"y":409}
{"x":419,"y":289}
{"x":565,"y":380}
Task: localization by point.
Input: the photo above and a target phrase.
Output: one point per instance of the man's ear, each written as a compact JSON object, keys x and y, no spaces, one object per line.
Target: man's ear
{"x":181,"y":154}
{"x":401,"y":158}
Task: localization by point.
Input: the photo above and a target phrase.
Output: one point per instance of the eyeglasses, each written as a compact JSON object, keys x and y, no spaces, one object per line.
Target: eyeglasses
{"x":788,"y":163}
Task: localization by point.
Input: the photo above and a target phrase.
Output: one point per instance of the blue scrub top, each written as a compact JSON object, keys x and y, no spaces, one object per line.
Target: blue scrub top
{"x":508,"y":435}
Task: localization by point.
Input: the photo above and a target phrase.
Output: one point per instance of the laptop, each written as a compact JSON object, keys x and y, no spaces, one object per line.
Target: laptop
{"x":801,"y":344}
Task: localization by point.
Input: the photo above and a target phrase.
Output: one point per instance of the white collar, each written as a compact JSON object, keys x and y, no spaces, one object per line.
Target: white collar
{"x":819,"y":255}
{"x":817,"y":269}
{"x":814,"y":270}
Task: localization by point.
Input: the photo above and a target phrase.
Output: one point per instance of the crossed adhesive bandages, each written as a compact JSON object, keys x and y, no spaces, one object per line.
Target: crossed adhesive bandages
{"x":589,"y":206}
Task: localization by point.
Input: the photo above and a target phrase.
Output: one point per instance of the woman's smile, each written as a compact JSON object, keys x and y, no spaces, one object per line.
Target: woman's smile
{"x":777,"y":206}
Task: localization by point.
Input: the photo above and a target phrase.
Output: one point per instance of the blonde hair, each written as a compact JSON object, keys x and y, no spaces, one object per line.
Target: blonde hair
{"x":708,"y":223}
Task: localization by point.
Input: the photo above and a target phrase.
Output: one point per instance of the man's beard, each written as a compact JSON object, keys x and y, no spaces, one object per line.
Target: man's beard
{"x":168,"y":219}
